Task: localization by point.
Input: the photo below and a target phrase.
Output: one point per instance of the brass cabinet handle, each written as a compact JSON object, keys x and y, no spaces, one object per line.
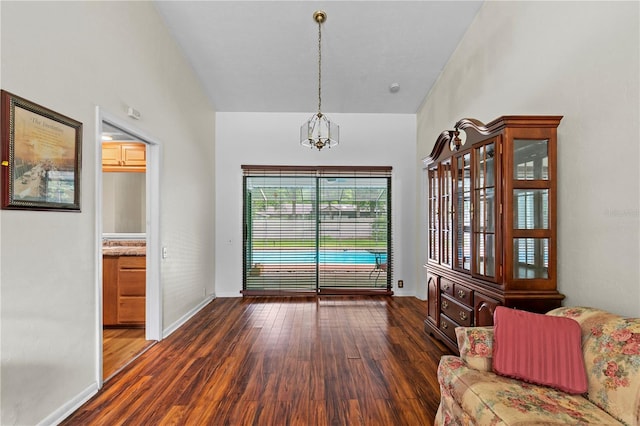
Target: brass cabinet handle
{"x":463,"y":316}
{"x":445,"y":287}
{"x":461,"y":294}
{"x":444,"y":326}
{"x":445,"y":304}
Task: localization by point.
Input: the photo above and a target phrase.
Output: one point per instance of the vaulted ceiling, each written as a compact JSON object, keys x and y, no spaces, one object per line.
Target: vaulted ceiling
{"x":262,"y":56}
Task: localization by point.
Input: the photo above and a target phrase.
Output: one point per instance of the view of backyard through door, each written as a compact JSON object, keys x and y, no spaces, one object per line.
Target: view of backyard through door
{"x":317,"y":231}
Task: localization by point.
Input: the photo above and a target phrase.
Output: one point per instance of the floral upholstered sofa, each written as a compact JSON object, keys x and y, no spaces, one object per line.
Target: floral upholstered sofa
{"x":473,"y":394}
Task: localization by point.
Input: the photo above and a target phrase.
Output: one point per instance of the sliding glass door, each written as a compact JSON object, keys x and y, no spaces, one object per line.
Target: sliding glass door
{"x":317,"y":230}
{"x":280,"y":233}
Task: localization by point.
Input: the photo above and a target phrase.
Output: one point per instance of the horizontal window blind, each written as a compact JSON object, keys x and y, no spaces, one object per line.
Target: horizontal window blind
{"x":317,"y":229}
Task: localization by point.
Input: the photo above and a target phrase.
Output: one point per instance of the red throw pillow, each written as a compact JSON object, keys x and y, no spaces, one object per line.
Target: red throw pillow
{"x":540,"y":349}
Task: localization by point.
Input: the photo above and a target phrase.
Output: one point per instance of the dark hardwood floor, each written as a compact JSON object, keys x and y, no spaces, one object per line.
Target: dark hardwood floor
{"x":281,"y":361}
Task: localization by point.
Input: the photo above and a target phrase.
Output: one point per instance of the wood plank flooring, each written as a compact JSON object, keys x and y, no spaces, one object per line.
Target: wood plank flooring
{"x":120,"y":346}
{"x":334,"y":360}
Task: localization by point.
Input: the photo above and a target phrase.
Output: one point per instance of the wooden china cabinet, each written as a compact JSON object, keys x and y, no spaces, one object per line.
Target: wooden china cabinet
{"x":491,"y":222}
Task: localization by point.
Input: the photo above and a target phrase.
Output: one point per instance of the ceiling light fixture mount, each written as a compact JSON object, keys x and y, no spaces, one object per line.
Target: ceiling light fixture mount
{"x":318,"y":131}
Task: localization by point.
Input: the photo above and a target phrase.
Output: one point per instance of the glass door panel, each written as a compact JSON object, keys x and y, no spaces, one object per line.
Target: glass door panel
{"x":531,"y":258}
{"x":485,"y":210}
{"x":434,"y":215}
{"x":280,"y":252}
{"x":530,"y":159}
{"x":531,"y":209}
{"x":354,"y":232}
{"x":463,"y":212}
{"x":446,"y":218}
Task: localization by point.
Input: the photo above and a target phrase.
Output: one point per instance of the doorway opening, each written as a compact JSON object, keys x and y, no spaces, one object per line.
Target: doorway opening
{"x":127,"y":222}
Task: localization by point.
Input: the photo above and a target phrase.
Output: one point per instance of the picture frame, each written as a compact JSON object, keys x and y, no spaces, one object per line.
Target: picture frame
{"x":41,"y":156}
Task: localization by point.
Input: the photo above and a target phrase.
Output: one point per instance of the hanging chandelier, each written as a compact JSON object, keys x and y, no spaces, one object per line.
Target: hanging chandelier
{"x":318,"y":131}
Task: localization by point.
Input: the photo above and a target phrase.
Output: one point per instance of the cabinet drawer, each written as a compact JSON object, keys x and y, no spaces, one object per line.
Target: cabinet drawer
{"x":463,"y":294}
{"x":132,"y":262}
{"x":446,"y":286}
{"x":131,"y":309}
{"x":132,"y":283}
{"x":458,"y":312}
{"x":448,"y":327}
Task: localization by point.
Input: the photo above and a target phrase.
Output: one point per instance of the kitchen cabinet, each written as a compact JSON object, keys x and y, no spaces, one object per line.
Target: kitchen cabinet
{"x":124,"y":157}
{"x":124,"y":289}
{"x":491,"y":222}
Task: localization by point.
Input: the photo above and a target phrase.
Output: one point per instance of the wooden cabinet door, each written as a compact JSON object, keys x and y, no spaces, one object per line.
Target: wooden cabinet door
{"x":434,"y":215}
{"x":134,"y":154}
{"x":486,"y":178}
{"x":434,"y":296}
{"x":110,"y":290}
{"x":483,"y":309}
{"x":110,"y":154}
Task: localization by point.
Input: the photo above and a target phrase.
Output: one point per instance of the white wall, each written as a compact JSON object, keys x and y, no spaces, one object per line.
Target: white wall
{"x":262,"y":138}
{"x":580,"y":60}
{"x":71,"y":57}
{"x":123,"y":202}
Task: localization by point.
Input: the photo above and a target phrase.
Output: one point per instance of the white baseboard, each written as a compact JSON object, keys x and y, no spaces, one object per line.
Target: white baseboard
{"x":72,"y":405}
{"x":186,"y":317}
{"x":229,"y":294}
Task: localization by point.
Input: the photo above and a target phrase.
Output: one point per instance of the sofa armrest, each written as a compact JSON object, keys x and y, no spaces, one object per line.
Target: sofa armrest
{"x":476,"y":346}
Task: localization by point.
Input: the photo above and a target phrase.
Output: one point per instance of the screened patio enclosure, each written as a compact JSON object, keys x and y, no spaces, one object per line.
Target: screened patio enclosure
{"x":317,"y":230}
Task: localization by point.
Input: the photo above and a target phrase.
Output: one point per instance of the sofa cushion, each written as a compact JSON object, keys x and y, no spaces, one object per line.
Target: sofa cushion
{"x":497,"y":400}
{"x":540,"y":349}
{"x":476,"y":346}
{"x":612,"y":359}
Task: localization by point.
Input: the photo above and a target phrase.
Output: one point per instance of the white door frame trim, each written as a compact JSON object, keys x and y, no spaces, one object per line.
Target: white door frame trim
{"x":153,"y":283}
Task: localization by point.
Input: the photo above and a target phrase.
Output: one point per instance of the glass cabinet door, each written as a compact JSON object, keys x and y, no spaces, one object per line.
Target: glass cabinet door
{"x":446,"y":213}
{"x":434,"y":214}
{"x":531,"y":221}
{"x":484,"y":216}
{"x":462,"y":186}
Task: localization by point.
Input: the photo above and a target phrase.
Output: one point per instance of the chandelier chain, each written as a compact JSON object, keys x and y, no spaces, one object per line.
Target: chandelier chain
{"x":318,"y":131}
{"x":319,"y":66}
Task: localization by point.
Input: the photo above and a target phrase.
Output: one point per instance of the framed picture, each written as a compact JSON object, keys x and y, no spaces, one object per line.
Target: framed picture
{"x":41,"y":157}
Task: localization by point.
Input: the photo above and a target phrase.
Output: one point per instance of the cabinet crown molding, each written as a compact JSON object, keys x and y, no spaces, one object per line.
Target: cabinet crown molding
{"x":476,"y":130}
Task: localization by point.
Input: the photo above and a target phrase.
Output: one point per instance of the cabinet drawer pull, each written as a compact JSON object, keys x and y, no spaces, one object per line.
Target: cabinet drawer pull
{"x":445,"y":287}
{"x":444,"y":326}
{"x":461,"y":294}
{"x":445,"y":304}
{"x":463,"y":315}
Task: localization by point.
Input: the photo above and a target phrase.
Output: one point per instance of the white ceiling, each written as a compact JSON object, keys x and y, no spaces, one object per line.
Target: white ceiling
{"x":262,"y":56}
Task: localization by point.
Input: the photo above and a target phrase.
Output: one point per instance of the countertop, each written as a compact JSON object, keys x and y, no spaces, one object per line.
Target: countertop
{"x":117,"y":247}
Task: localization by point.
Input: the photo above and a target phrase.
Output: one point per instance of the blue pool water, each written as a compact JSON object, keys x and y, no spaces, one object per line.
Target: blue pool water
{"x":340,"y":257}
